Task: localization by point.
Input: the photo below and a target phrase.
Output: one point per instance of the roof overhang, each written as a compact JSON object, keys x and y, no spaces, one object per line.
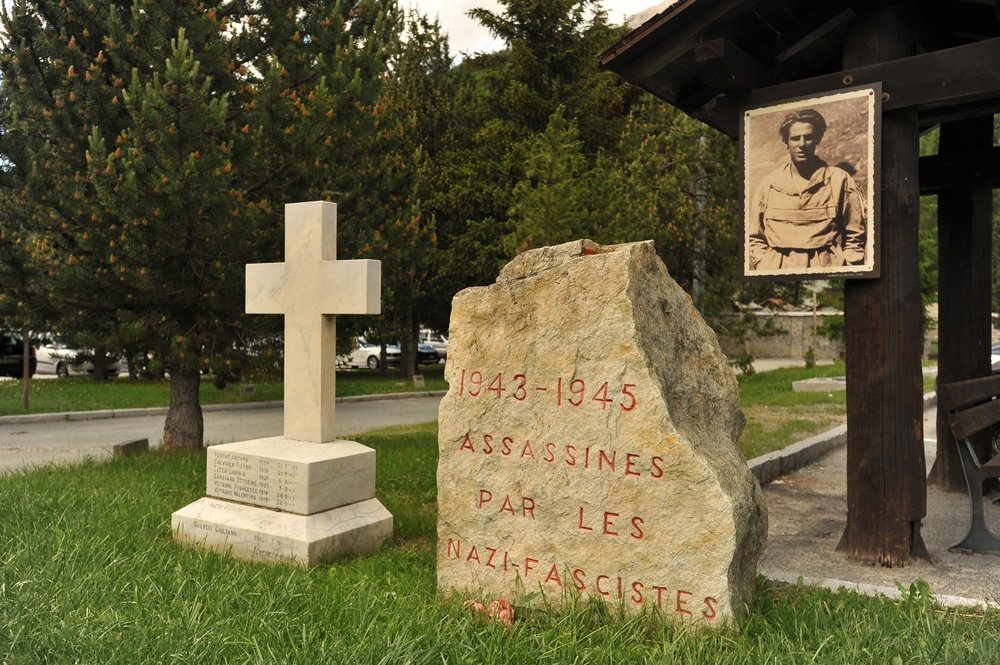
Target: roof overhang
{"x":712,"y":58}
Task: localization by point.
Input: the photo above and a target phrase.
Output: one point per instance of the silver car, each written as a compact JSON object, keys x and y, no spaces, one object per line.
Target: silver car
{"x":436,"y":340}
{"x":55,"y":357}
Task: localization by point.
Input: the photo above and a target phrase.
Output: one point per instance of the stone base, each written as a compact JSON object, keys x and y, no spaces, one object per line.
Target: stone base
{"x":293,"y":476}
{"x":259,"y":534}
{"x":822,"y":384}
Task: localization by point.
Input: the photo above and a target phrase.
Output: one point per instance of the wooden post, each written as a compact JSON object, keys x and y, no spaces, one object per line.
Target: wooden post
{"x":26,"y":369}
{"x":965,"y":274}
{"x":886,"y":478}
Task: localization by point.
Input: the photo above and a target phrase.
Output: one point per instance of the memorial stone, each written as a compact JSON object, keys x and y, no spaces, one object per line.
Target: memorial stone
{"x":304,"y":497}
{"x":588,"y":442}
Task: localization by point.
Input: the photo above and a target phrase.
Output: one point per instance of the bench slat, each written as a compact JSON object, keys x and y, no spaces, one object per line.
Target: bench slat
{"x":961,"y":394}
{"x":975,"y":419}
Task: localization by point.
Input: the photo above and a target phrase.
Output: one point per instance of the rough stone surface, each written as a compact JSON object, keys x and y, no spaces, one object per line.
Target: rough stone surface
{"x":129,"y":448}
{"x":588,"y":441}
{"x":259,"y":534}
{"x":294,"y":476}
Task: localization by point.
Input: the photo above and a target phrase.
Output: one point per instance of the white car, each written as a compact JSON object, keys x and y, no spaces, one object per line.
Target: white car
{"x":59,"y":359}
{"x":369,"y":355}
{"x":362,"y":355}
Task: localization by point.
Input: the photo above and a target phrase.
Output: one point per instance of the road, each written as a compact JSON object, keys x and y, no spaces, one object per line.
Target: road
{"x":24,"y":444}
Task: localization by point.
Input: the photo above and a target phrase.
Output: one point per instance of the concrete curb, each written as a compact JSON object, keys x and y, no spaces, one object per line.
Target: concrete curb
{"x":102,"y":414}
{"x":769,"y":466}
{"x":893,"y":593}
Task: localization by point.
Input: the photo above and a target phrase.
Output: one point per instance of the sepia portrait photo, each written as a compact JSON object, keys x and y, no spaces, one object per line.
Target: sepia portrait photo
{"x":809,"y":192}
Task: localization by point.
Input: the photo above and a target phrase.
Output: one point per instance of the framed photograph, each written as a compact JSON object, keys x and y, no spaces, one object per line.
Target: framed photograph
{"x":809,"y":187}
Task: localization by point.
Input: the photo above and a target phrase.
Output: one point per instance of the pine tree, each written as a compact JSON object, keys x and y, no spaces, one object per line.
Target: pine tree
{"x":551,"y":61}
{"x":151,"y":147}
{"x":550,"y":202}
{"x":506,"y":99}
{"x":415,"y":116}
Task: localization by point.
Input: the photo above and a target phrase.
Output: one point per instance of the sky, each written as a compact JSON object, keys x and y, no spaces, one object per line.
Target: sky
{"x":467,"y":36}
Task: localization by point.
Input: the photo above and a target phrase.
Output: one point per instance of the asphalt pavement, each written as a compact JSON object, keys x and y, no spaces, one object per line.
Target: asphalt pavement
{"x":60,"y":438}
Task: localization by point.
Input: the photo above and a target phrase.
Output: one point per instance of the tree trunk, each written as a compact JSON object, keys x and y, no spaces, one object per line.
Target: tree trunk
{"x":184,"y":427}
{"x":407,"y":356}
{"x":383,"y":361}
{"x":100,"y":362}
{"x":25,"y":369}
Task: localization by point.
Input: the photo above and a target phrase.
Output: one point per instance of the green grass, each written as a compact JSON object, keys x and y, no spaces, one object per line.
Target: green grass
{"x":83,"y":394}
{"x":89,"y":573}
{"x":777,"y":416}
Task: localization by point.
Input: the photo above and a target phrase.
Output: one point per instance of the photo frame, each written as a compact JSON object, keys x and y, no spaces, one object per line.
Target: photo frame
{"x":809,"y":187}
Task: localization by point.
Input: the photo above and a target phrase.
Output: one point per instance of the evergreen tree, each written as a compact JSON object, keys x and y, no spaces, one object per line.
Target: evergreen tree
{"x":549,"y":202}
{"x":414,"y":124}
{"x":676,"y":182}
{"x":506,"y":99}
{"x":150,"y":147}
{"x":551,"y":60}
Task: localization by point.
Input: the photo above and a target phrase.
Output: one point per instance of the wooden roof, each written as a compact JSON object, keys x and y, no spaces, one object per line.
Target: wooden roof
{"x":710,"y":58}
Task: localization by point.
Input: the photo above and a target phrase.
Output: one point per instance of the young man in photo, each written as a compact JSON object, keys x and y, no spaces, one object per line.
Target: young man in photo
{"x":806,"y":214}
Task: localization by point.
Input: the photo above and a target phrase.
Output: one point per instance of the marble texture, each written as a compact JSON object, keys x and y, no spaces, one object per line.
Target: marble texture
{"x":305,"y":496}
{"x":293,"y":476}
{"x":260,"y":534}
{"x":588,"y":442}
{"x":310,"y":288}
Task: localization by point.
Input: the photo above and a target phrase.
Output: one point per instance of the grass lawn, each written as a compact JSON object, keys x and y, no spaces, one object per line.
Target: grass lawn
{"x":777,"y":416}
{"x":80,"y":393}
{"x":89,"y":573}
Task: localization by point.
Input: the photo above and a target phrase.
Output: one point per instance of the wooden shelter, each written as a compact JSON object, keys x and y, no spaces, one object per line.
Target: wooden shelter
{"x":938,"y":62}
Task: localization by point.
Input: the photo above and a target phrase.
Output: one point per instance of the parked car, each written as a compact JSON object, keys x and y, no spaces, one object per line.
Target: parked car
{"x":58,"y":358}
{"x":437,"y":340}
{"x":426,"y":354}
{"x":369,"y":355}
{"x":995,"y":358}
{"x":12,"y":355}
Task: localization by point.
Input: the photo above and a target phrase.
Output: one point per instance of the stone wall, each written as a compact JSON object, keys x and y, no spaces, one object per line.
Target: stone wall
{"x":797,"y":337}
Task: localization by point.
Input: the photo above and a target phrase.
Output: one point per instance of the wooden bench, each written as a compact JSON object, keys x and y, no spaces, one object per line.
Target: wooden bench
{"x":974,"y":406}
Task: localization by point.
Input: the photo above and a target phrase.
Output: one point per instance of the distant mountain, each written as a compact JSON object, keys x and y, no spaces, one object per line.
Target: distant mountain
{"x":636,"y":20}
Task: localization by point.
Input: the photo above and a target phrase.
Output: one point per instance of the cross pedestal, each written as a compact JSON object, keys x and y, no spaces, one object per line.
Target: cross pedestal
{"x":306,"y":496}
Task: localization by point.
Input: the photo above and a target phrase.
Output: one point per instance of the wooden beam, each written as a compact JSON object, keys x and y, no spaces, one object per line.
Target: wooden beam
{"x":960,"y":167}
{"x":686,"y":19}
{"x":965,"y":269}
{"x":886,"y":478}
{"x":969,"y":21}
{"x":936,"y":80}
{"x":827,"y":19}
{"x":725,"y":67}
{"x":722,"y":113}
{"x":956,"y":112}
{"x":630,"y":48}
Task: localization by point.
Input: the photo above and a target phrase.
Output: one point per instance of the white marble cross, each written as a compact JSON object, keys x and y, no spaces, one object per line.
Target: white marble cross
{"x":310,"y":288}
